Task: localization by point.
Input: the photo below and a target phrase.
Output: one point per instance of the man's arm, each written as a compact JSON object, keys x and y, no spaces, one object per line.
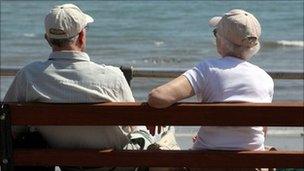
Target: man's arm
{"x":17,"y":93}
{"x":126,"y":94}
{"x":17,"y":90}
{"x":168,"y":94}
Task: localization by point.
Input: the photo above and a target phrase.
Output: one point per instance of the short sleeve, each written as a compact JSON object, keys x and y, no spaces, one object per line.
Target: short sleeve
{"x":197,"y":78}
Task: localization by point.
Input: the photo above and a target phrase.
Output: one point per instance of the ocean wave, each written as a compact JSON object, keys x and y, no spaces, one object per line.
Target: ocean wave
{"x":158,"y":43}
{"x":161,"y":60}
{"x":29,"y":35}
{"x":285,"y":43}
{"x":291,"y":43}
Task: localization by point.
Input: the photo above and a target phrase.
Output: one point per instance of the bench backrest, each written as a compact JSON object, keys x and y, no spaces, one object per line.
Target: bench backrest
{"x":289,"y":113}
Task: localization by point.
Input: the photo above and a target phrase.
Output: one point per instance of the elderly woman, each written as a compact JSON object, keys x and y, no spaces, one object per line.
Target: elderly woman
{"x":230,"y":78}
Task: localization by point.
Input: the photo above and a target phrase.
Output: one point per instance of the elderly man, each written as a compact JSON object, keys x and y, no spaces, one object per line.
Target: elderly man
{"x":230,"y":78}
{"x":68,"y":76}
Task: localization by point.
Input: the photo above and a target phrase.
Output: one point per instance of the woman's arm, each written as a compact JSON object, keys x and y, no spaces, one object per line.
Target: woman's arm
{"x":168,"y":94}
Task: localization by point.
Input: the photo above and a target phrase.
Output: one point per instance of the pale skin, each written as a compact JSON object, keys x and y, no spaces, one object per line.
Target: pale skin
{"x":178,"y":89}
{"x":168,"y":94}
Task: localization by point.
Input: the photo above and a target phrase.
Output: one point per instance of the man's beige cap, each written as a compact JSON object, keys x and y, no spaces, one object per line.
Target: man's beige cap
{"x":65,"y":21}
{"x":239,"y":27}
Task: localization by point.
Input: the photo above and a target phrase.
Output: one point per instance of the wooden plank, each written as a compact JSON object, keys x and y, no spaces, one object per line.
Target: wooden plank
{"x":290,"y":113}
{"x":95,"y":158}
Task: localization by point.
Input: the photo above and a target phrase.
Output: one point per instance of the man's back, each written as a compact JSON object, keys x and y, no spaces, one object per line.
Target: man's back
{"x":70,"y":77}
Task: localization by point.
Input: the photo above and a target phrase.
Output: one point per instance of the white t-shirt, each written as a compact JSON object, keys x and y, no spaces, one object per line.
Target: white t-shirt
{"x":230,"y":79}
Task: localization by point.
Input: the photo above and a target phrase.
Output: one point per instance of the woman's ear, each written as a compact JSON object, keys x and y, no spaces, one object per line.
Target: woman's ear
{"x":250,"y":42}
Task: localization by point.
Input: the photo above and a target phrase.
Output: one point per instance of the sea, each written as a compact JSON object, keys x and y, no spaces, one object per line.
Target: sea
{"x":164,"y":35}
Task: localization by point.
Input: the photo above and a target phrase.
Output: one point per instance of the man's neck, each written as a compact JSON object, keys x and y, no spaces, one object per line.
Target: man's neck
{"x":68,"y":48}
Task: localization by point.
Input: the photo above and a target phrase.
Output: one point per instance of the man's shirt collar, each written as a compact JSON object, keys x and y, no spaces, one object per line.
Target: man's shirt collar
{"x":69,"y":55}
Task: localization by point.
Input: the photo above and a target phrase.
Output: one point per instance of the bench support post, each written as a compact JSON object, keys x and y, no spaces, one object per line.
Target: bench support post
{"x":6,"y":138}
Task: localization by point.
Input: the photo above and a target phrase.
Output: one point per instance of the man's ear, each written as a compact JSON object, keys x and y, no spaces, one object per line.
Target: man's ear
{"x":47,"y":39}
{"x":81,"y":40}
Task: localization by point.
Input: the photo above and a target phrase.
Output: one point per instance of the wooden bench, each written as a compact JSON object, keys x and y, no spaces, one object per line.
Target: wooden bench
{"x":289,"y":113}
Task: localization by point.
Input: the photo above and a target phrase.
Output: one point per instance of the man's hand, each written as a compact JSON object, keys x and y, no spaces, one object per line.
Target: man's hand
{"x":152,"y":129}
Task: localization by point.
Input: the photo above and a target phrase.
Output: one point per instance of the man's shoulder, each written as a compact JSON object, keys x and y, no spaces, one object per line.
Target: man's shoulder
{"x":34,"y":66}
{"x":109,"y":70}
{"x":113,"y":69}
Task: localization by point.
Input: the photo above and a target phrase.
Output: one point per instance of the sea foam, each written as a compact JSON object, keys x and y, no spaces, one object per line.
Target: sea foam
{"x":291,"y":43}
{"x":29,"y":35}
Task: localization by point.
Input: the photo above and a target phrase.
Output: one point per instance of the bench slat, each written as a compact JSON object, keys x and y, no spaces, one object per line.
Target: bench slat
{"x":289,"y":113}
{"x":233,"y":114}
{"x":95,"y":158}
